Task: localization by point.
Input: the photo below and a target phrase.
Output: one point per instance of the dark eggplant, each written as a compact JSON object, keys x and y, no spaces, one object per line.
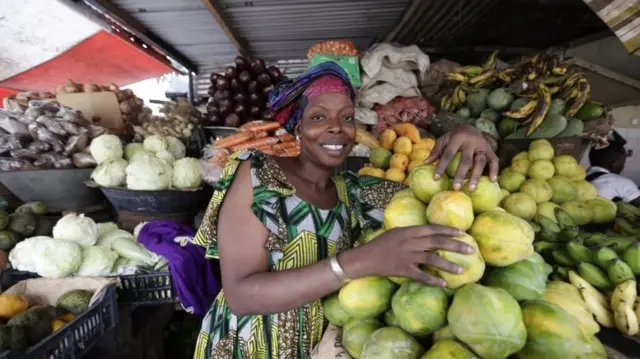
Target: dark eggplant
{"x":239,"y":97}
{"x":214,"y":119}
{"x":241,"y":63}
{"x":225,"y":107}
{"x":244,"y":76}
{"x":232,"y":120}
{"x":235,"y":84}
{"x":213,"y":77}
{"x":256,"y":99}
{"x":211,"y":90}
{"x":213,"y":107}
{"x":253,"y":87}
{"x":255,"y":111}
{"x":240,"y":109}
{"x":222,"y":83}
{"x":257,"y":65}
{"x":267,"y":89}
{"x":221,"y":95}
{"x":267,"y":115}
{"x":264,"y":79}
{"x":274,"y":73}
{"x":231,"y":72}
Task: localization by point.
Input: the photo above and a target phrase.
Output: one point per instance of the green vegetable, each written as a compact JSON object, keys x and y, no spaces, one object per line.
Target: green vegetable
{"x":8,"y":240}
{"x":13,"y":337}
{"x":444,"y":122}
{"x":75,"y":301}
{"x":36,"y":322}
{"x":500,"y":99}
{"x":76,"y":228}
{"x":133,"y":251}
{"x":574,"y":128}
{"x":557,"y":107}
{"x":477,"y":101}
{"x":550,"y":127}
{"x":507,"y":126}
{"x":186,"y":173}
{"x":487,"y":126}
{"x":56,"y":258}
{"x":4,"y":219}
{"x":515,"y":105}
{"x":464,"y":112}
{"x":490,"y":114}
{"x":38,"y":208}
{"x":23,"y":223}
{"x":96,"y":262}
{"x":590,"y":111}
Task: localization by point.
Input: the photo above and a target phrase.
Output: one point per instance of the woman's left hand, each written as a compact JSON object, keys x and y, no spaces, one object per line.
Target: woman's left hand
{"x":476,"y":153}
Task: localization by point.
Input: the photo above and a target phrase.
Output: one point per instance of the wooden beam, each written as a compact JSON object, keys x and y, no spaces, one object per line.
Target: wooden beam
{"x":238,"y":42}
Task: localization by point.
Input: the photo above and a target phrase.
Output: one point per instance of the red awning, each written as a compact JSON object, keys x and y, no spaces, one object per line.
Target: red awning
{"x":102,"y":58}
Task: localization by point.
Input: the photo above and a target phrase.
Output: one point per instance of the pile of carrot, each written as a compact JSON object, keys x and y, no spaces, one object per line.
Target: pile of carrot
{"x":265,"y":136}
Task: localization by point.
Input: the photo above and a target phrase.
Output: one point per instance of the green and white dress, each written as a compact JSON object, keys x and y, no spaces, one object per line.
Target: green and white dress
{"x":300,"y":234}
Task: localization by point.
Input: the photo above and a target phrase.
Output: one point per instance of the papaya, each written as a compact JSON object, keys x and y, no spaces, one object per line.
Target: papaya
{"x":464,"y":112}
{"x":557,"y":107}
{"x":487,"y":126}
{"x":409,"y":130}
{"x":507,"y":126}
{"x":550,"y":127}
{"x":500,"y":99}
{"x":355,"y":334}
{"x":574,"y":128}
{"x":477,"y":101}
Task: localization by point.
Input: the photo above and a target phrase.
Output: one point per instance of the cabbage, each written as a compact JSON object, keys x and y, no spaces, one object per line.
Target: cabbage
{"x":141,"y":154}
{"x":21,"y":256}
{"x":76,"y":228}
{"x":166,"y":156}
{"x":110,"y":173}
{"x":56,"y":258}
{"x":133,"y":251}
{"x":106,"y":148}
{"x":186,"y":173}
{"x":136,"y":231}
{"x":96,"y":262}
{"x":176,"y":147}
{"x":106,"y":227}
{"x":131,"y":149}
{"x":107,"y":239}
{"x":155,"y":143}
{"x":148,"y":174}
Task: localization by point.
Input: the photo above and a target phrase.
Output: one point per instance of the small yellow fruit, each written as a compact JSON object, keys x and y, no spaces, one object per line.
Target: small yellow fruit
{"x":376,"y":172}
{"x":365,"y":171}
{"x":414,"y":164}
{"x":403,"y":145}
{"x":520,"y":166}
{"x":387,"y":138}
{"x":11,"y":305}
{"x":419,"y":154}
{"x":57,"y":324}
{"x":395,"y":175}
{"x":399,"y":161}
{"x":67,"y":317}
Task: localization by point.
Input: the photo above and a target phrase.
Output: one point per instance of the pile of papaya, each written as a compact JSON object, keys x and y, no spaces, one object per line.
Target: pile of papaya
{"x":536,"y":97}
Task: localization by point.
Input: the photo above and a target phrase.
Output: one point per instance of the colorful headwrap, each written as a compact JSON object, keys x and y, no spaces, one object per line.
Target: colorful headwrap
{"x":289,"y":99}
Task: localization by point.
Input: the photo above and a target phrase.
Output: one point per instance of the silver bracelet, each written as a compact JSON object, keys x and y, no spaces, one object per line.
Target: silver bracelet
{"x":337,"y":269}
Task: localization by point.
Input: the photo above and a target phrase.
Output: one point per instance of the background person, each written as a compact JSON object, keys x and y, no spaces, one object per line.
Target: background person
{"x":604,"y":174}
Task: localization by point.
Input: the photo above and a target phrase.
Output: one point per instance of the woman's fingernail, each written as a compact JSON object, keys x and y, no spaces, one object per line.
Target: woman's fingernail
{"x":458,"y":270}
{"x":436,"y":176}
{"x":472,"y":186}
{"x":443,"y":284}
{"x":457,"y":186}
{"x":470,"y":249}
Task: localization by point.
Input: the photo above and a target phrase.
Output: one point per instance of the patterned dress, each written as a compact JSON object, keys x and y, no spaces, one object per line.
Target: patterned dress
{"x":300,"y":234}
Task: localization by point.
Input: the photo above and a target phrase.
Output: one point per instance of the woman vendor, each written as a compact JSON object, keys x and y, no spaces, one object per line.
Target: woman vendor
{"x":283,"y":228}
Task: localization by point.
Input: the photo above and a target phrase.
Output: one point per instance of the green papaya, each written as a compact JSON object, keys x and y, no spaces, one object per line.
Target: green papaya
{"x":574,"y":128}
{"x":550,"y":127}
{"x":507,"y":126}
{"x":557,"y":107}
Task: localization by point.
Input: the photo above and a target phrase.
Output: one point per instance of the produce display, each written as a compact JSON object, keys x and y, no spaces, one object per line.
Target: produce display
{"x":159,"y":163}
{"x":23,"y":325}
{"x":26,"y":221}
{"x":46,"y":135}
{"x":396,"y":152}
{"x":503,"y":304}
{"x":334,"y":47}
{"x":240,"y":94}
{"x":77,"y":246}
{"x":177,"y":119}
{"x":537,"y":97}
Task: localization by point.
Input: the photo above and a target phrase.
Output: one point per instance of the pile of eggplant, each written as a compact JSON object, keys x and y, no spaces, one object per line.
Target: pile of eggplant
{"x":240,"y":94}
{"x":46,"y":135}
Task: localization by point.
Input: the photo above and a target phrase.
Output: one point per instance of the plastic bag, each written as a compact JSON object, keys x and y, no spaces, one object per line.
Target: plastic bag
{"x":12,"y":142}
{"x":408,"y":58}
{"x":212,"y":163}
{"x":8,"y":164}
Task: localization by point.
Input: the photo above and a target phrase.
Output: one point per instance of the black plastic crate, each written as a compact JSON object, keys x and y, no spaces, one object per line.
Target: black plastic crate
{"x":80,"y":335}
{"x":147,"y":289}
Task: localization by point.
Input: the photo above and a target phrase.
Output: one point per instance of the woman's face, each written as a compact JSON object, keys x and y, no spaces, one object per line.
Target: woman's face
{"x":327,"y":130}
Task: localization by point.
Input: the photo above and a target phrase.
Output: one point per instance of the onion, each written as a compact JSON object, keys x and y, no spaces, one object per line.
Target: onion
{"x":240,"y":109}
{"x":241,"y":63}
{"x":267,"y":115}
{"x":240,"y":97}
{"x":274,"y":73}
{"x":267,"y":89}
{"x":212,"y":90}
{"x":264,"y":79}
{"x":232,"y":120}
{"x":221,"y":95}
{"x":225,"y":107}
{"x":244,"y":76}
{"x":222,"y":83}
{"x":253,"y":86}
{"x":231,"y":72}
{"x":257,"y":65}
{"x":213,"y":77}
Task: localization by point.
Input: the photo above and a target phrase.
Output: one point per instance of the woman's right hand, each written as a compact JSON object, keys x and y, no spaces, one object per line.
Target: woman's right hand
{"x":401,"y":252}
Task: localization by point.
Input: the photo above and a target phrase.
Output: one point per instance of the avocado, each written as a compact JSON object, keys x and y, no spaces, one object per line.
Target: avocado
{"x":75,"y":301}
{"x":574,"y":128}
{"x":557,"y":107}
{"x":477,"y":101}
{"x":36,"y":322}
{"x":550,"y":127}
{"x":590,"y":111}
{"x":507,"y":126}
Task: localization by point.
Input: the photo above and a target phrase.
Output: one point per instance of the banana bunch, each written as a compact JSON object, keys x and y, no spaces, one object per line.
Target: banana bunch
{"x":466,"y":80}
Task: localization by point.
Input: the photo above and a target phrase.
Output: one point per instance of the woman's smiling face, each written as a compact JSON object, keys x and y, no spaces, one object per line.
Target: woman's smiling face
{"x":327,"y":130}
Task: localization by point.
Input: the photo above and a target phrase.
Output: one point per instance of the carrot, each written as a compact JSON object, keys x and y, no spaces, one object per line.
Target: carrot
{"x":285,"y":145}
{"x":257,"y":126}
{"x":286,"y":149}
{"x":255,"y":143}
{"x":233,"y":140}
{"x":287,"y":137}
{"x":258,"y":135}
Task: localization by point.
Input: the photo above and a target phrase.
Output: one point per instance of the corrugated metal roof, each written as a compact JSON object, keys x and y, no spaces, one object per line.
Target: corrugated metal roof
{"x":285,"y":29}
{"x":185,"y":24}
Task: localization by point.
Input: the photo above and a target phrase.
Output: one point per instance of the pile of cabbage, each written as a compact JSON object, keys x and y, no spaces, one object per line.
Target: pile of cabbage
{"x":158,"y":163}
{"x":81,"y":247}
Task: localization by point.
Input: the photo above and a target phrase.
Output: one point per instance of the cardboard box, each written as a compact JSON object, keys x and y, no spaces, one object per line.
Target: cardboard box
{"x":102,"y":108}
{"x":351,"y":64}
